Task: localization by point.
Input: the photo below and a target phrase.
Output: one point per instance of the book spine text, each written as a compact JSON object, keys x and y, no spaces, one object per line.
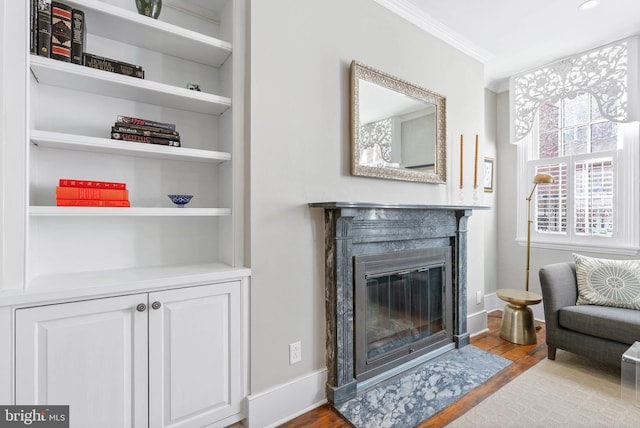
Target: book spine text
{"x":87,"y":193}
{"x":78,"y":36}
{"x":144,"y":132}
{"x":145,"y":122}
{"x":144,"y":139}
{"x":91,"y":203}
{"x":44,"y":28}
{"x":68,"y":182}
{"x":146,"y":128}
{"x":112,"y":65}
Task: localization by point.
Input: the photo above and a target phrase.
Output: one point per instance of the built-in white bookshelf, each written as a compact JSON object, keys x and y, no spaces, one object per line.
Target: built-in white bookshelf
{"x":68,"y":115}
{"x":150,"y":277}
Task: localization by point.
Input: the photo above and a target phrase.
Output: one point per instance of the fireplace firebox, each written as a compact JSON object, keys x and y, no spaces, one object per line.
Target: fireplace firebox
{"x":395,"y":289}
{"x":403,"y":307}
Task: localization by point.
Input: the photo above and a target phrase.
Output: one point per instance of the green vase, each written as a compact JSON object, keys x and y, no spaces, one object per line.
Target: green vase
{"x":149,"y":7}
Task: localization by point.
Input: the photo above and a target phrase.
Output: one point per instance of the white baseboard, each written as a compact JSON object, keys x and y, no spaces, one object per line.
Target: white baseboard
{"x":492,"y":303}
{"x":284,"y":402}
{"x":287,"y":401}
{"x":477,"y":323}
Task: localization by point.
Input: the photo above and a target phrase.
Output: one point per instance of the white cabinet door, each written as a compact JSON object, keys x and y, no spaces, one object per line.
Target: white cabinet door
{"x":90,"y":355}
{"x":194,"y":355}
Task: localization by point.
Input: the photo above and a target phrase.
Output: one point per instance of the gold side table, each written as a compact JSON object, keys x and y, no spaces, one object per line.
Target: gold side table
{"x":517,"y":324}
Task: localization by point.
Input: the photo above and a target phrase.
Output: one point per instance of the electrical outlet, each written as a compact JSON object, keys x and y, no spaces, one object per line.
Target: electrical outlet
{"x":478,"y":297}
{"x":295,"y":353}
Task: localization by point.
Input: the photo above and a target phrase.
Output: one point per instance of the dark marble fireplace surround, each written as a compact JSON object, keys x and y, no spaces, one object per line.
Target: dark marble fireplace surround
{"x":362,"y":229}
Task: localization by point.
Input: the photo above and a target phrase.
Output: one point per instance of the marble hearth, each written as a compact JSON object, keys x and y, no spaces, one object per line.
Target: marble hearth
{"x":359,"y":230}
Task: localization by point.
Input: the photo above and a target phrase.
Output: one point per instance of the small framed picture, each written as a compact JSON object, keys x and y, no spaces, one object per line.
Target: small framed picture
{"x":488,"y":175}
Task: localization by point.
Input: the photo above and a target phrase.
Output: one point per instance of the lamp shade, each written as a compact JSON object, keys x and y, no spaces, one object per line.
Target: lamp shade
{"x":543,"y":178}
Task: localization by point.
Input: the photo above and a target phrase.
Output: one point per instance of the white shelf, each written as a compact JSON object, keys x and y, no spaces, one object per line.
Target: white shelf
{"x":73,"y":76}
{"x":57,"y":140}
{"x":53,"y":211}
{"x":134,"y":29}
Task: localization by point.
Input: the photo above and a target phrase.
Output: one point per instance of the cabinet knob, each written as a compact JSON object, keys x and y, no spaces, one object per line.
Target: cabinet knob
{"x":141,"y":307}
{"x":156,"y":305}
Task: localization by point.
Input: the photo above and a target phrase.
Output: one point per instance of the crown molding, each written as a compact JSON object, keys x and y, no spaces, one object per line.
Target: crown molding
{"x":424,"y":21}
{"x":498,"y":85}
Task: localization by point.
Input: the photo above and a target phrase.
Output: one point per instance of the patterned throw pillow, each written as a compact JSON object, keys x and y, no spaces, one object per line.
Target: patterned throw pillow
{"x":608,"y":282}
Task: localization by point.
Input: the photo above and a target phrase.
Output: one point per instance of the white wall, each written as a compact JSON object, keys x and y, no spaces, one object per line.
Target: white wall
{"x":491,"y":219}
{"x":300,"y":153}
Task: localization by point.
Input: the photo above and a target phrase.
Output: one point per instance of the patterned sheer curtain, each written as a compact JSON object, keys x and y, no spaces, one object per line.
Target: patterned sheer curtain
{"x":567,"y":116}
{"x":609,"y":73}
{"x":375,"y":143}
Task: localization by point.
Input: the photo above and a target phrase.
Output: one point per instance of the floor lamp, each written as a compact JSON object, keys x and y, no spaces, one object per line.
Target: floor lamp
{"x":517,"y":323}
{"x":538,"y":179}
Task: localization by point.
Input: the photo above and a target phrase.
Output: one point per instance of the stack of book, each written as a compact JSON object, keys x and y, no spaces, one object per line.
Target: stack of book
{"x":145,"y":131}
{"x":86,"y":193}
{"x":58,"y":31}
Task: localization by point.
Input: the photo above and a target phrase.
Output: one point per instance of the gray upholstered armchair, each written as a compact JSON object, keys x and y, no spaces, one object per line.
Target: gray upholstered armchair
{"x":600,"y":332}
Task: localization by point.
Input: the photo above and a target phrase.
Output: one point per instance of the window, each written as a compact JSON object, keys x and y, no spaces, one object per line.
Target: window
{"x":594,"y":200}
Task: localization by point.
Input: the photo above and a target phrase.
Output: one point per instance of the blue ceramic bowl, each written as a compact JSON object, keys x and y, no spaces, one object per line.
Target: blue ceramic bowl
{"x":180,"y":200}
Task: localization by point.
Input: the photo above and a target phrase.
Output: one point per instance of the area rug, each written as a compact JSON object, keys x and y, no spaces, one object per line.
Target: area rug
{"x":413,"y":397}
{"x":570,"y":391}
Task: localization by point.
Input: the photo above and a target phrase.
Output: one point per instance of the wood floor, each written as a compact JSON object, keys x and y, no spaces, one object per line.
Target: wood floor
{"x":523,"y":357}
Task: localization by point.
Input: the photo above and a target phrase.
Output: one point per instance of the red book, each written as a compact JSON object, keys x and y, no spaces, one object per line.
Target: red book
{"x":87,"y":193}
{"x":91,"y":203}
{"x":67,"y":182}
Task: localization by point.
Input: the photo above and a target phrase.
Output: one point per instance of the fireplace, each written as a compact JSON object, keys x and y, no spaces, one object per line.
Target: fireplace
{"x":403,"y":305}
{"x":395,"y":287}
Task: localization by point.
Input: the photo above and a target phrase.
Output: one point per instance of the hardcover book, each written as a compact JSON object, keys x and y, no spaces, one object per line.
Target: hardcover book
{"x":91,"y":203}
{"x":144,"y":139}
{"x":146,"y":122}
{"x":68,"y":182}
{"x":144,"y":132}
{"x":44,"y":28}
{"x":146,"y":128}
{"x":112,"y":65}
{"x":79,"y":33}
{"x":61,"y":31}
{"x":33,"y":26}
{"x":87,"y":193}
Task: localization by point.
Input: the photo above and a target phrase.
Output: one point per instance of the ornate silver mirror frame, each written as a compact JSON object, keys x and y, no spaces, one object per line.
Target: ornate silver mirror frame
{"x":385,"y":109}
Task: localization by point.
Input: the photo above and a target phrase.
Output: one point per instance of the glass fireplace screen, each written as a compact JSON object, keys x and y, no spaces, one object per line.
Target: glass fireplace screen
{"x":403,"y":307}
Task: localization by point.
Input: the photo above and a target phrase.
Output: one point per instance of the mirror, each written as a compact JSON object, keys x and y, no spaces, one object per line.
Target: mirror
{"x":398,"y":130}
